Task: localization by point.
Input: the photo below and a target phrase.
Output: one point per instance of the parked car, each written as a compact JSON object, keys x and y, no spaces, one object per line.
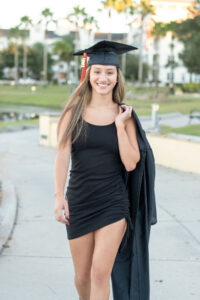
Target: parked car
{"x":26,"y":81}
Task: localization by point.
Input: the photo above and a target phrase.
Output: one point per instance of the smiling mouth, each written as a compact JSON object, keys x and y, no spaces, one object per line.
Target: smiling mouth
{"x":102,"y":85}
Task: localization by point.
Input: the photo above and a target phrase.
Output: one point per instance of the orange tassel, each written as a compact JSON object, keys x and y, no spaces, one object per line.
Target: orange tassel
{"x":84,"y":66}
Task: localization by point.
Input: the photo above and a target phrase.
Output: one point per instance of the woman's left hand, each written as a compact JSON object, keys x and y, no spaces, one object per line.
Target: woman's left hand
{"x":124,"y":115}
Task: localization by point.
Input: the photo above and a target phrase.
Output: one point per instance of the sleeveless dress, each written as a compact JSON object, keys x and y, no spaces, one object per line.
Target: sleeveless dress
{"x":96,"y":192}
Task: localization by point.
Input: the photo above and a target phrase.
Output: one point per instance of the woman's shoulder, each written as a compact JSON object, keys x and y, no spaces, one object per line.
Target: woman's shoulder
{"x":65,"y":121}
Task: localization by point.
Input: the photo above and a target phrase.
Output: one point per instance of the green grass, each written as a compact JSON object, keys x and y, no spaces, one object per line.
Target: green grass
{"x":141,"y":98}
{"x":51,"y":96}
{"x":6,"y":124}
{"x":189,"y":130}
{"x":185,"y":106}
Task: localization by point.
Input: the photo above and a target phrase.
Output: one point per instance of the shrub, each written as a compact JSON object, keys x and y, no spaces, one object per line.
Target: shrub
{"x":191,"y":87}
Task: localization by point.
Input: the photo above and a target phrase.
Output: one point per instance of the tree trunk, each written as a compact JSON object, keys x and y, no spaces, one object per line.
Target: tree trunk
{"x":25,"y":61}
{"x":58,"y":71}
{"x":172,"y":71}
{"x":16,"y":60}
{"x":45,"y":59}
{"x":156,"y":58}
{"x":140,"y":68}
{"x":76,"y":57}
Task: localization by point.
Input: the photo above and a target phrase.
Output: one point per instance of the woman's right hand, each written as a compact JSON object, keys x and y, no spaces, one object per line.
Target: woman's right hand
{"x":60,"y":205}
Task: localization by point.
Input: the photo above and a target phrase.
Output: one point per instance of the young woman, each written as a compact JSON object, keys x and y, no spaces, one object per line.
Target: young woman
{"x":99,"y":133}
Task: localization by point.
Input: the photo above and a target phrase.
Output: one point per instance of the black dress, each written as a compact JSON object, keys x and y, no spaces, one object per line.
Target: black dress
{"x":96,"y":193}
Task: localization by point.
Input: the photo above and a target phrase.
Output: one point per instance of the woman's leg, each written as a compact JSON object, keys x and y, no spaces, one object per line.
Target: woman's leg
{"x":82,"y":251}
{"x":107,"y":242}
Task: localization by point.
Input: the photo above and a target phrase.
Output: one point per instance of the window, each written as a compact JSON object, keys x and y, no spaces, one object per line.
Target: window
{"x":168,"y":76}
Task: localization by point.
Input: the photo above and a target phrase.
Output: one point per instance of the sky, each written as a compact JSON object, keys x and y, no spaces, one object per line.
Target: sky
{"x":12,"y":10}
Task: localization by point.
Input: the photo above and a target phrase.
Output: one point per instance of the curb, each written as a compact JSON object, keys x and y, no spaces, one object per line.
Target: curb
{"x":8,"y":211}
{"x":11,"y":128}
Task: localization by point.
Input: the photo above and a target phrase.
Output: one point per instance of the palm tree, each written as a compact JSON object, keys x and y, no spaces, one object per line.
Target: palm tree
{"x":77,"y":18}
{"x":47,"y":18}
{"x":121,"y":6}
{"x":172,"y":64}
{"x":63,"y":50}
{"x":158,"y":31}
{"x":90,"y":22}
{"x":25,"y":22}
{"x":143,"y":9}
{"x":14,"y":32}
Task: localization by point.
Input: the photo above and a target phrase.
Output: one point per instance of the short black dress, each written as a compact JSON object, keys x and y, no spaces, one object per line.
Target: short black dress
{"x":96,"y":192}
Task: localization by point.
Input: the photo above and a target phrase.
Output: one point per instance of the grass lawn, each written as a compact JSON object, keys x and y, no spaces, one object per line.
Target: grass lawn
{"x":6,"y":124}
{"x":174,"y":104}
{"x":140,"y":98}
{"x":190,"y":129}
{"x":51,"y":96}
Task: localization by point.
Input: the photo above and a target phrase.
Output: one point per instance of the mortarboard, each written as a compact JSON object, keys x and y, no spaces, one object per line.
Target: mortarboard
{"x":103,"y":53}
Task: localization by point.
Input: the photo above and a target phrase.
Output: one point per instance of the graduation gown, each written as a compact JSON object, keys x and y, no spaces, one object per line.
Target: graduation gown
{"x":130,"y":273}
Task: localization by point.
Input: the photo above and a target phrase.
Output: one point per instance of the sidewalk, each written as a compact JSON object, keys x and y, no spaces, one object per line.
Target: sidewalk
{"x":37,"y":263}
{"x":174,"y":120}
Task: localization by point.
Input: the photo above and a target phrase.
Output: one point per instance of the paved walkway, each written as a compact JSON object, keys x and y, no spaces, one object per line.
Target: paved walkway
{"x":174,"y":119}
{"x":37,"y":264}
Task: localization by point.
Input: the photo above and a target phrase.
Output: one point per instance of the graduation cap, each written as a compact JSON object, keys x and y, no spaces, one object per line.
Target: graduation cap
{"x":103,"y":53}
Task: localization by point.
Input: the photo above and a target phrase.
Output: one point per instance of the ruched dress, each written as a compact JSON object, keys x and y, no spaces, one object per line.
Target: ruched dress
{"x":96,"y":191}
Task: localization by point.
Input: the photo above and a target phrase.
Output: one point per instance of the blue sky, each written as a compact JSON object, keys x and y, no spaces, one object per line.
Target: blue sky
{"x":12,"y":11}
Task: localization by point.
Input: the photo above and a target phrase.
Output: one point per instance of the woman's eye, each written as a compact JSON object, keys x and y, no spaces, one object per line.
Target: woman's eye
{"x":108,"y":73}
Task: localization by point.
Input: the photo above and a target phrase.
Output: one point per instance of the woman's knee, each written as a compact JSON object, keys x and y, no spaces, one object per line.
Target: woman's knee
{"x":100,"y":272}
{"x":82,"y":279}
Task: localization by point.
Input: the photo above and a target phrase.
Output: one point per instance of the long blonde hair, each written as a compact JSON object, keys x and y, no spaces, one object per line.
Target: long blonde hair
{"x":79,"y":100}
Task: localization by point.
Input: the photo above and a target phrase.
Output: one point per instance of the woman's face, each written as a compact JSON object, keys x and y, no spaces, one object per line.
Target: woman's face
{"x":103,"y":78}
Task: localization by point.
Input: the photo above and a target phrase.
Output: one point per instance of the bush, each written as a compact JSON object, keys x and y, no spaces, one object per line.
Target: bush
{"x":191,"y":87}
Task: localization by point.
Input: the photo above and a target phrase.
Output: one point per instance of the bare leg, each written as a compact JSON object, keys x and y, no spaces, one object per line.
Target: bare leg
{"x":107,"y":242}
{"x":82,"y":251}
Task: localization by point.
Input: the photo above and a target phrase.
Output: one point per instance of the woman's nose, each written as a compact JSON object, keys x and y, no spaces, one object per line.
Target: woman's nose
{"x":102,"y":77}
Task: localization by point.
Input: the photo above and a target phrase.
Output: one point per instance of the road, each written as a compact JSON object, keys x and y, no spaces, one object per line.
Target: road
{"x":37,"y":263}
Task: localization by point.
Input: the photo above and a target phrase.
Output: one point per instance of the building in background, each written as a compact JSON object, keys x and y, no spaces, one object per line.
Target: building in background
{"x":157,"y":52}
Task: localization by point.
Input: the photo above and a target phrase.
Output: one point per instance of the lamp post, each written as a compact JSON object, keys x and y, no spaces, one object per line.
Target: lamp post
{"x":154,"y":117}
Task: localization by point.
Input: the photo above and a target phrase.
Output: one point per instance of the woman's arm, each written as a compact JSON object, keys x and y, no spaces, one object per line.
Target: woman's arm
{"x":128,"y":145}
{"x":60,"y":172}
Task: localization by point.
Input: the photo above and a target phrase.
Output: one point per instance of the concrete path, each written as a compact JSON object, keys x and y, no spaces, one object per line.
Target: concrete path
{"x":175,"y":119}
{"x":37,"y":263}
